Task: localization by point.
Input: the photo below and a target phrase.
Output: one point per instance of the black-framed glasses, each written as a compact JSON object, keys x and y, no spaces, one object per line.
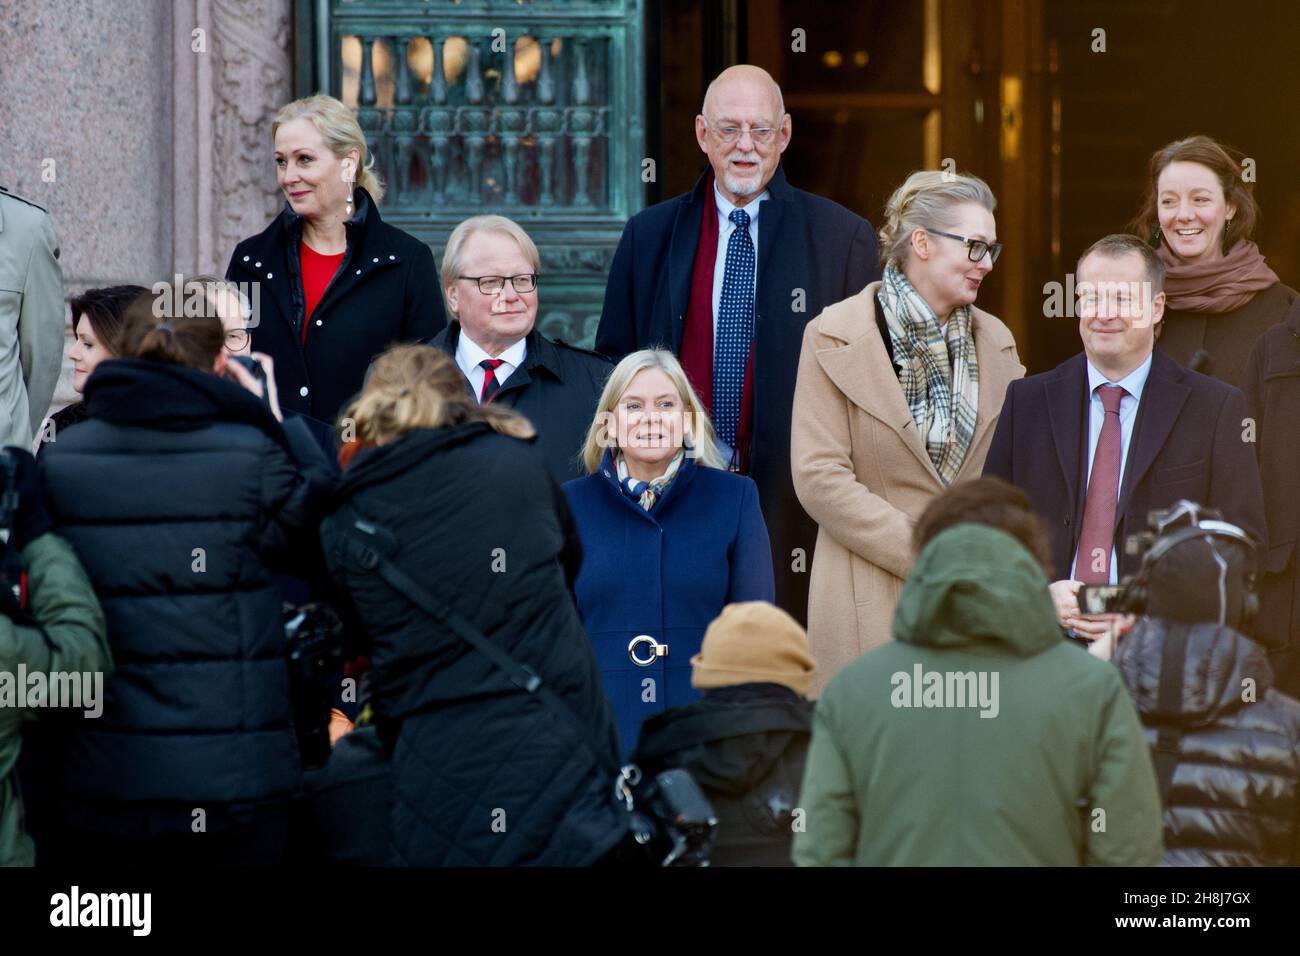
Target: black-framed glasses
{"x":491,"y":285}
{"x":975,"y":248}
{"x":236,"y":339}
{"x":762,"y":135}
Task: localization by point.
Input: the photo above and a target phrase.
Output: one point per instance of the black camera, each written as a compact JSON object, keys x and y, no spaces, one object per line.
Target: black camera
{"x":1166,"y":529}
{"x":314,"y":646}
{"x":673,"y":822}
{"x":1103,"y":599}
{"x":255,"y":369}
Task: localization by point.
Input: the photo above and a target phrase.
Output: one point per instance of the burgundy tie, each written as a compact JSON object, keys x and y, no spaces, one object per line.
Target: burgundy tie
{"x":490,"y":383}
{"x":1098,"y":535}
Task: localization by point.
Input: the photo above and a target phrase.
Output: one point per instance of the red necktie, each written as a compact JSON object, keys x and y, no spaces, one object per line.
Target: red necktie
{"x":1092,"y":563}
{"x":490,"y":383}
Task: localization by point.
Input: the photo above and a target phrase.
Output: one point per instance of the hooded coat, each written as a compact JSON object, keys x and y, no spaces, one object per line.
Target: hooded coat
{"x":1234,"y":797}
{"x":1034,"y":757}
{"x":70,"y":639}
{"x":483,"y":773}
{"x":181,"y":494}
{"x":745,"y":746}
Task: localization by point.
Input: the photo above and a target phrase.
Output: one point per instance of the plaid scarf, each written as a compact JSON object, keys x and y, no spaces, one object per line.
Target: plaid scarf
{"x":646,"y":493}
{"x":937,"y":370}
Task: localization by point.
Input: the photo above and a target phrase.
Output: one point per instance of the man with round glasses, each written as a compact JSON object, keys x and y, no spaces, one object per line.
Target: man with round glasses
{"x":490,"y":283}
{"x":726,"y":276}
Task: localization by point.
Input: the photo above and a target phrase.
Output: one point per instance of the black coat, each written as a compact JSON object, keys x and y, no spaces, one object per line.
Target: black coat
{"x":476,"y":519}
{"x":1273,"y":392}
{"x":180,"y":494}
{"x":557,"y":389}
{"x":1187,"y":443}
{"x":745,"y":746}
{"x":805,"y":242}
{"x":386,"y":291}
{"x":1234,"y":799}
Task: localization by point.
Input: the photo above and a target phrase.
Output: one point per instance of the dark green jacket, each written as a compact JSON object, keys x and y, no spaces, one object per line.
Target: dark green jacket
{"x":74,"y":641}
{"x":1035,"y":756}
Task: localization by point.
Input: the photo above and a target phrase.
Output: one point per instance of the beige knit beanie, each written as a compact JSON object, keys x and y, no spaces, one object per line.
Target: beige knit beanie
{"x":753,"y":642}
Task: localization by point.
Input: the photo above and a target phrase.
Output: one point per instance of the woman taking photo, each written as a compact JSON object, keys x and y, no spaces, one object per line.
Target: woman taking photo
{"x":338,"y":285}
{"x":899,"y":388}
{"x":180,"y":493}
{"x":458,"y":501}
{"x":1199,"y":214}
{"x":669,"y":537}
{"x":96,"y":325}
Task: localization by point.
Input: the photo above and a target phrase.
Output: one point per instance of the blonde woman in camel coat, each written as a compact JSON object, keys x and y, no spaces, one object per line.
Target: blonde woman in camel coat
{"x":862,"y":469}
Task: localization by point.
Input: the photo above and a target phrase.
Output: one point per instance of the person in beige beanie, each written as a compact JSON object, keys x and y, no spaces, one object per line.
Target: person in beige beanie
{"x":746,"y":740}
{"x":753,"y":642}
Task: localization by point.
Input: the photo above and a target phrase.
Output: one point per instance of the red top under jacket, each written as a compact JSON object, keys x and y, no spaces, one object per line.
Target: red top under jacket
{"x":317,"y":271}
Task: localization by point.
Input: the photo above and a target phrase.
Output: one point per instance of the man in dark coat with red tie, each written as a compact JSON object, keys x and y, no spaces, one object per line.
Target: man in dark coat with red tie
{"x":1121,"y":430}
{"x":727,"y":276}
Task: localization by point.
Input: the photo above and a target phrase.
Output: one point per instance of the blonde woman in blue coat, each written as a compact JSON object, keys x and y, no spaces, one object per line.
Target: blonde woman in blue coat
{"x":669,"y":538}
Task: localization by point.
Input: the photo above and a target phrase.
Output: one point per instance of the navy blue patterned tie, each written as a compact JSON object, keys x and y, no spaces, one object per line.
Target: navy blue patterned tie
{"x":735,"y":329}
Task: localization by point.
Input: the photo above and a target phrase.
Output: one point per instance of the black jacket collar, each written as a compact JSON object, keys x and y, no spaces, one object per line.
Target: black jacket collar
{"x":542,"y":353}
{"x":378,"y":464}
{"x":172,"y":398}
{"x":372,"y":243}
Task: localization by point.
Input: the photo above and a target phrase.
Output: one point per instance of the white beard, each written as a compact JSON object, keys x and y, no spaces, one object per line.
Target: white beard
{"x":747,"y":186}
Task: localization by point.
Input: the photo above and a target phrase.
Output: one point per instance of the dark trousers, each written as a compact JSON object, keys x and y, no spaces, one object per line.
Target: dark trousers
{"x":261,"y":842}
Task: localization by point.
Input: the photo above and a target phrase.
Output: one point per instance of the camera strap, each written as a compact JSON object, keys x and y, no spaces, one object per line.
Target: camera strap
{"x":521,"y":675}
{"x":1169,"y":736}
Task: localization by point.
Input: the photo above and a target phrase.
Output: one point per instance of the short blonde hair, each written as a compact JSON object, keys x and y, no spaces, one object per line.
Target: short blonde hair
{"x":926,"y":200}
{"x":341,"y":132}
{"x":418,"y":386}
{"x":599,"y":435}
{"x":451,"y":256}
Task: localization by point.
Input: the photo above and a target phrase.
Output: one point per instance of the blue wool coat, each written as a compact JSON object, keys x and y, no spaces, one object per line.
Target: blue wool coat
{"x":666,"y":573}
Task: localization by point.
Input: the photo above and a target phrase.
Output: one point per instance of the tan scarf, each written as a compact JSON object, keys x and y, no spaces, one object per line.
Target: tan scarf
{"x":1225,"y":284}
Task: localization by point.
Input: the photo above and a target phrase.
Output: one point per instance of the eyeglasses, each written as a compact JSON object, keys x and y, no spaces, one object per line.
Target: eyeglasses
{"x":762,"y":135}
{"x":491,"y":285}
{"x":975,"y":248}
{"x":236,"y":339}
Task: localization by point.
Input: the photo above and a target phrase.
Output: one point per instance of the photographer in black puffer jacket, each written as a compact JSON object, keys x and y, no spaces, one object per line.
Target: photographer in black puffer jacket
{"x":1226,"y":745}
{"x":181,"y":494}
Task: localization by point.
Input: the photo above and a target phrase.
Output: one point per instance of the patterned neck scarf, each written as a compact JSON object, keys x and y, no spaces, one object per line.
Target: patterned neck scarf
{"x":646,"y":493}
{"x":937,"y":371}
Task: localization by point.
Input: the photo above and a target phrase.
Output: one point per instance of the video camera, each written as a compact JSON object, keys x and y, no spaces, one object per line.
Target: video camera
{"x":1166,"y":530}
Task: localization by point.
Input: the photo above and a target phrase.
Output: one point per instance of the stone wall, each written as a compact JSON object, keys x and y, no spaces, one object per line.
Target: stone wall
{"x":143,"y":126}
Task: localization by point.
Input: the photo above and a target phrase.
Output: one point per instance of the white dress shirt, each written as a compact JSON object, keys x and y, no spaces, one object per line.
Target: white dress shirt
{"x":1133,"y":384}
{"x":468,"y":355}
{"x":725,"y":229}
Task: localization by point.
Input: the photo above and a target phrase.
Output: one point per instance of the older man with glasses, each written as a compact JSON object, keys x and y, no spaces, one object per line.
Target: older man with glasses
{"x":726,"y":276}
{"x":490,"y":283}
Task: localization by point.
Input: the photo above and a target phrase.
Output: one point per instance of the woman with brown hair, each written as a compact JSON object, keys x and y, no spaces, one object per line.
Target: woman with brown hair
{"x":455,"y":498}
{"x":1199,"y":213}
{"x":96,"y":324}
{"x":182,"y":493}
